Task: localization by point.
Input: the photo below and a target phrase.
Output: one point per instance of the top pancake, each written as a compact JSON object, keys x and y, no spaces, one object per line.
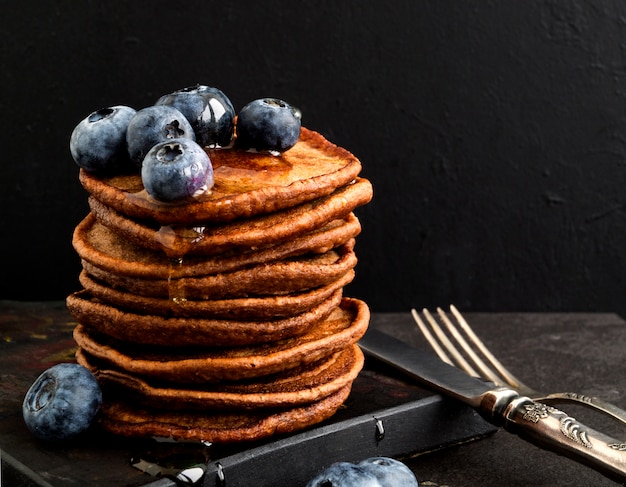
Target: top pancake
{"x":246,"y":184}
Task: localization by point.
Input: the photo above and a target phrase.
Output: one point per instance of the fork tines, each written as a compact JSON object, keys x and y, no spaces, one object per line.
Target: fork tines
{"x":474,"y":359}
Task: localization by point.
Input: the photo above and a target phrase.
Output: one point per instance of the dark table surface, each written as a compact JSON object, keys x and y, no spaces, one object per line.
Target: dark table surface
{"x":579,"y":352}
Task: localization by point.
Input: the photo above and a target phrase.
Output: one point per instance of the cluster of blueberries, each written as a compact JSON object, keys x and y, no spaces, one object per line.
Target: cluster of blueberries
{"x":166,"y":140}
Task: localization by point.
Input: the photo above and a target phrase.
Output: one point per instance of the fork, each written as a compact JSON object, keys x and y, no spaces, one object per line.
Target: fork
{"x":489,"y":367}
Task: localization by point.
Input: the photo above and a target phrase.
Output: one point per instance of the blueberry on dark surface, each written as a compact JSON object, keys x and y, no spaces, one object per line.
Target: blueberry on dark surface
{"x":153,"y":125}
{"x":371,"y":472}
{"x":208,"y":110}
{"x":389,"y":472}
{"x":62,"y":402}
{"x":344,"y":474}
{"x":268,"y":124}
{"x":176,"y":170}
{"x":98,"y":142}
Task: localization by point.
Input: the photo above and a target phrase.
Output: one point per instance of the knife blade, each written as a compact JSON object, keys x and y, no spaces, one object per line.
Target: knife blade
{"x":543,"y":425}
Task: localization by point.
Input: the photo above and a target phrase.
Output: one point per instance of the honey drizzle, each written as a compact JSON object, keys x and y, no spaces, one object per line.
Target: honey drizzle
{"x":175,"y":286}
{"x":176,"y":243}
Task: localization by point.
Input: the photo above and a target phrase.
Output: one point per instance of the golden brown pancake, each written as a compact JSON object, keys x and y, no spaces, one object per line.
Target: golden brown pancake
{"x":246,"y":184}
{"x":118,"y":417}
{"x":97,"y":244}
{"x":343,"y":328}
{"x":302,"y":385}
{"x":268,"y":307}
{"x":271,"y":278}
{"x":151,"y":329}
{"x":244,"y":235}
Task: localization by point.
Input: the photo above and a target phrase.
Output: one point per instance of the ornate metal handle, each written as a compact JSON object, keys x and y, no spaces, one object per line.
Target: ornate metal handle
{"x":589,"y":401}
{"x":553,"y":429}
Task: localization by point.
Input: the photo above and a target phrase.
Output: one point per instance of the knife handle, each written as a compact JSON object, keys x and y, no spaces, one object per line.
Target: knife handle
{"x":552,"y":429}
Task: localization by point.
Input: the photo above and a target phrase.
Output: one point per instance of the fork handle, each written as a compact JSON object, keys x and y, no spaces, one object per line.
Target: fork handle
{"x":588,"y":401}
{"x":554,"y":430}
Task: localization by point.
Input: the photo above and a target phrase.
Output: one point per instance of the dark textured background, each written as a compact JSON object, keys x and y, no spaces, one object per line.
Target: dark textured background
{"x":494,"y":133}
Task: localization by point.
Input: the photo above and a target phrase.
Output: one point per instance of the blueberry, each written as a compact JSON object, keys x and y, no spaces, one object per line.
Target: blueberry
{"x":389,"y":472}
{"x":153,"y":125}
{"x":268,"y":124}
{"x":372,"y":472}
{"x":62,"y":402}
{"x":344,"y":474}
{"x":98,"y":142}
{"x":208,"y":110}
{"x":176,"y":170}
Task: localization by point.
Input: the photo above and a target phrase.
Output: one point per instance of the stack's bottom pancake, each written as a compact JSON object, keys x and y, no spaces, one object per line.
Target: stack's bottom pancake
{"x":119,"y":417}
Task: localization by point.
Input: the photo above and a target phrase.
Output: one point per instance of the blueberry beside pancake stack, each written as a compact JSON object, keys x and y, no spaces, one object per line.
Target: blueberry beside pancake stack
{"x":221,"y":317}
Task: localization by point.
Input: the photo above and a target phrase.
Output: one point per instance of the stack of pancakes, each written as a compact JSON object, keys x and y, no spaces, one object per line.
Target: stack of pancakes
{"x":223,"y":318}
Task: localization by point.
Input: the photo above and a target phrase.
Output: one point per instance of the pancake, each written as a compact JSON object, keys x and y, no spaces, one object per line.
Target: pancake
{"x":118,"y":417}
{"x":343,"y":328}
{"x":246,"y":184}
{"x":151,"y":329}
{"x":300,"y":386}
{"x":271,"y":278}
{"x":100,"y":246}
{"x":244,"y":235}
{"x":269,"y":307}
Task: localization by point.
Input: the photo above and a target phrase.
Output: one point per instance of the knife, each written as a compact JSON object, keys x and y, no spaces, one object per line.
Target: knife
{"x":544,"y":426}
{"x":383,"y":416}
